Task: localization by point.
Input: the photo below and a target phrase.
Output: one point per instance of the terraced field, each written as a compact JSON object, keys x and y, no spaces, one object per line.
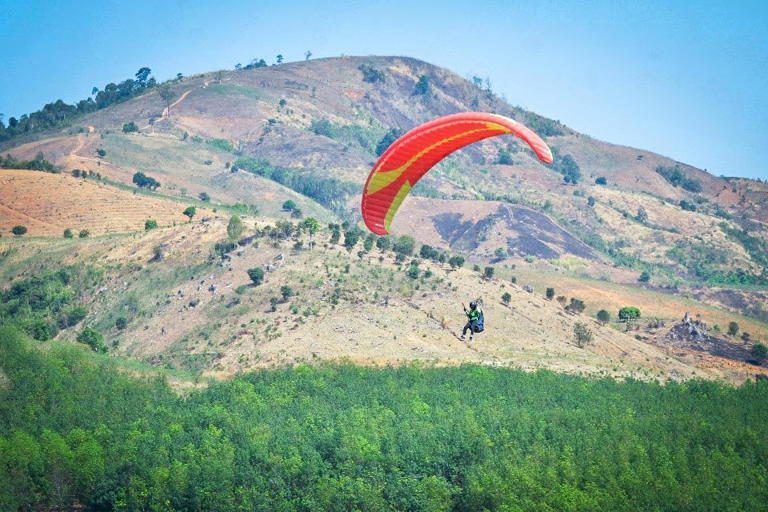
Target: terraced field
{"x":49,"y":203}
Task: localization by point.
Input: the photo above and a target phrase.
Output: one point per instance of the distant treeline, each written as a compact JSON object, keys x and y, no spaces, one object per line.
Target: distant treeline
{"x":58,"y":113}
{"x":38,"y":164}
{"x":77,"y":433}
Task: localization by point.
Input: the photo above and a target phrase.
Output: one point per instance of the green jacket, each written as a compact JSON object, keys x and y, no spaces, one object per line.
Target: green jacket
{"x":472,"y":314}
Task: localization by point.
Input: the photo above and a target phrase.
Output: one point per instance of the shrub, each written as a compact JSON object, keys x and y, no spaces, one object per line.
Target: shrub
{"x":273,"y":302}
{"x":84,"y":233}
{"x":256,"y":275}
{"x":576,"y":305}
{"x":289,"y":205}
{"x":68,"y":233}
{"x":101,"y":153}
{"x":601,"y":180}
{"x":204,"y":197}
{"x":550,"y":293}
{"x":590,"y":201}
{"x":150,"y":224}
{"x":745,"y":336}
{"x":488,"y":273}
{"x":121,"y":323}
{"x":413,"y":270}
{"x":130,"y":127}
{"x":19,"y":230}
{"x":371,"y":74}
{"x":676,"y":177}
{"x":506,"y":297}
{"x":644,"y":277}
{"x":733,"y":328}
{"x":286,"y":291}
{"x":582,"y":333}
{"x":603,"y":316}
{"x":222,"y":144}
{"x":383,"y":243}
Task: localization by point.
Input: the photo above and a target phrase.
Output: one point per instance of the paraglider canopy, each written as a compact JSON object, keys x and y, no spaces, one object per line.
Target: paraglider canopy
{"x":408,"y":158}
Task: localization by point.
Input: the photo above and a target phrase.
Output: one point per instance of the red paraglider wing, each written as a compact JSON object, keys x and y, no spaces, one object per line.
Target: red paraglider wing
{"x":412,"y":155}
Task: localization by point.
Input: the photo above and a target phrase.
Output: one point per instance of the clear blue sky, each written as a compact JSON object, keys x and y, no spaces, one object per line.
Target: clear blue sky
{"x":687,"y":79}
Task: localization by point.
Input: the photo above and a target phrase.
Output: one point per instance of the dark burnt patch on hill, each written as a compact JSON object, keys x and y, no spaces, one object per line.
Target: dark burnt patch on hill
{"x":528,"y":232}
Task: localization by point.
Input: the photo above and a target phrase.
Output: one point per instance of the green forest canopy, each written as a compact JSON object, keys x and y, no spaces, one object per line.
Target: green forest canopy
{"x":74,"y":429}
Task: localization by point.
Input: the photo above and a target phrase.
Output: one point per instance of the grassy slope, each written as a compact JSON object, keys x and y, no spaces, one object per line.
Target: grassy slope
{"x":381,"y":316}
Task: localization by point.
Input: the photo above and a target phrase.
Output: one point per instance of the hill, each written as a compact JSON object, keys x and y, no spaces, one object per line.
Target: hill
{"x":252,"y":140}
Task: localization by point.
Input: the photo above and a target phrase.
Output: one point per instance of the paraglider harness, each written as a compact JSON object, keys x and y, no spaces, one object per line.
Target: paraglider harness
{"x":476,"y":318}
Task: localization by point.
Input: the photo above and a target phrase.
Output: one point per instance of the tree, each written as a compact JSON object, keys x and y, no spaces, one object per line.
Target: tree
{"x":311,"y":225}
{"x":582,"y":334}
{"x":150,"y":224}
{"x":568,"y":167}
{"x":628,"y":313}
{"x":289,"y":205}
{"x":235,"y":227}
{"x":166,"y":95}
{"x":144,"y":181}
{"x":68,"y":233}
{"x":307,"y":55}
{"x":256,"y":275}
{"x":603,"y":316}
{"x":190,"y":212}
{"x":644,"y":277}
{"x":590,"y":201}
{"x":335,"y":234}
{"x":500,"y":254}
{"x":488,"y":273}
{"x":422,"y":87}
{"x":391,"y":136}
{"x":383,"y":243}
{"x":413,"y":270}
{"x":506,"y":297}
{"x":142,"y":75}
{"x":84,"y":233}
{"x":733,"y":328}
{"x":550,"y":293}
{"x":405,"y":245}
{"x":351,"y":237}
{"x":19,"y":230}
{"x":279,"y":58}
{"x":505,"y":157}
{"x":130,"y":127}
{"x":601,"y":180}
{"x":456,"y":261}
{"x":759,"y":352}
{"x":93,"y":339}
{"x":286,"y":292}
{"x":121,"y":323}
